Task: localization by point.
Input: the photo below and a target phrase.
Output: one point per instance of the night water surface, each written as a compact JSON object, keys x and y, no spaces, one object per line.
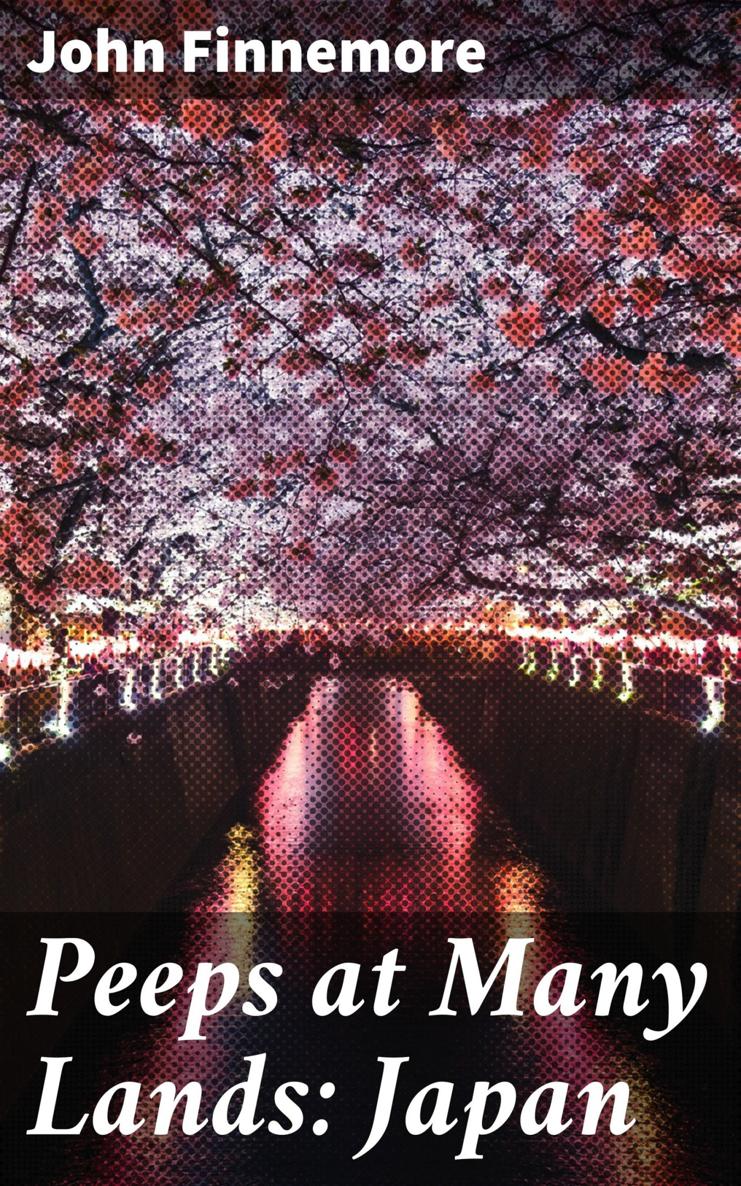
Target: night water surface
{"x":368,"y":833}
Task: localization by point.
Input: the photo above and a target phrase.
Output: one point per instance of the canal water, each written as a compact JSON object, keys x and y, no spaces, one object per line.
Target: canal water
{"x":369,"y":833}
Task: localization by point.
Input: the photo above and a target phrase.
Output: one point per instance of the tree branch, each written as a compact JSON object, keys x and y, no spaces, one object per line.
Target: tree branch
{"x":18,"y":220}
{"x":692,"y":359}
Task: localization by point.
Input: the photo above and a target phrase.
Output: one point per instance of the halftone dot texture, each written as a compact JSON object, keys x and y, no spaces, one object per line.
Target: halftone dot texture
{"x":369,"y":832}
{"x":375,"y":356}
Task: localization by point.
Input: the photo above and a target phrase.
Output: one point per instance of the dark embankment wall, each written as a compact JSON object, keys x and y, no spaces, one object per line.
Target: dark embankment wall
{"x":640,"y":810}
{"x":633,"y":813}
{"x":637,"y":812}
{"x":107,"y":821}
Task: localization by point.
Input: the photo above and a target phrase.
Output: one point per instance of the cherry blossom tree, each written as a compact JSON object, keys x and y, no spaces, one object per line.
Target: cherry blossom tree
{"x":368,"y":357}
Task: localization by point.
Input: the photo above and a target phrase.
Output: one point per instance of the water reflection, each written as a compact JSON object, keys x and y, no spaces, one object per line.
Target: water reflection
{"x":368,"y":809}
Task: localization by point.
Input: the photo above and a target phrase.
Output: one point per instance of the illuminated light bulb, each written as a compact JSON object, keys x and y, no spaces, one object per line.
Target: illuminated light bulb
{"x":716,"y":709}
{"x":599,"y":675}
{"x":6,"y":752}
{"x":213,"y":664}
{"x":179,"y":672}
{"x":575,"y":670}
{"x":155,"y":691}
{"x":61,"y":726}
{"x":627,"y":691}
{"x":128,"y":702}
{"x":553,"y":671}
{"x":530,"y":666}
